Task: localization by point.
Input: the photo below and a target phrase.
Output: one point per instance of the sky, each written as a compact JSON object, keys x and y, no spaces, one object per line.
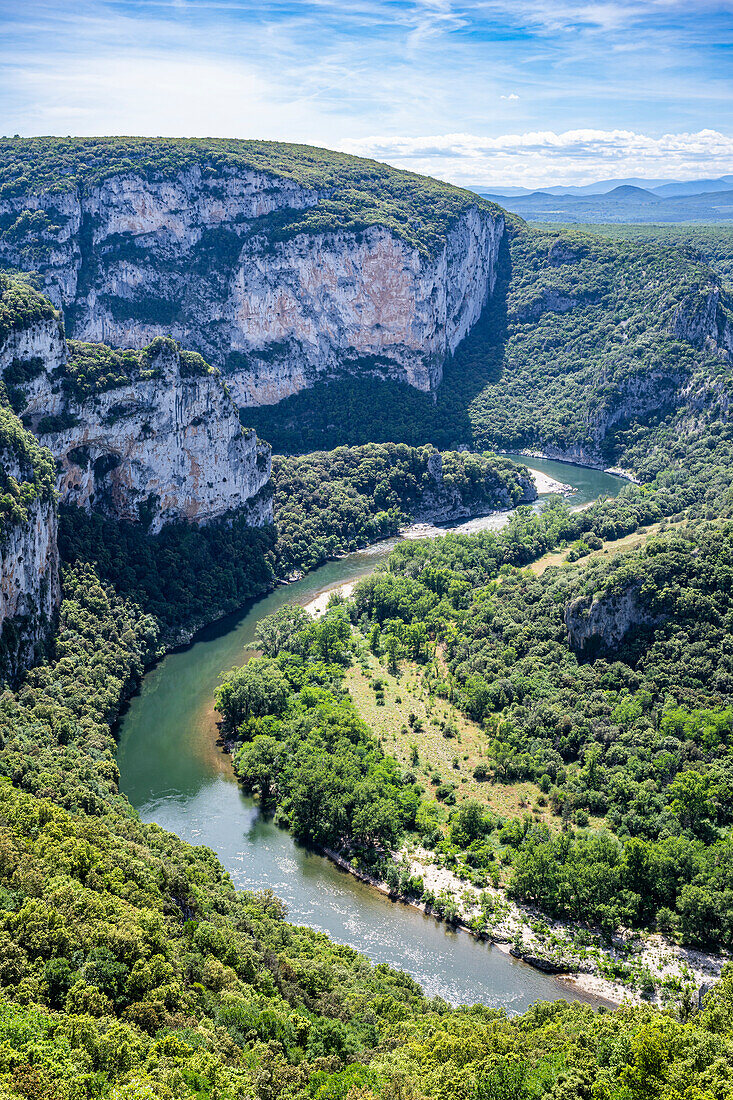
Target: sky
{"x":479,"y":92}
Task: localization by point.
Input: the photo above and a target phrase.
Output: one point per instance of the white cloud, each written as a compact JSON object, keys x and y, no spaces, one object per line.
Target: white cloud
{"x":511,"y":96}
{"x":541,"y":157}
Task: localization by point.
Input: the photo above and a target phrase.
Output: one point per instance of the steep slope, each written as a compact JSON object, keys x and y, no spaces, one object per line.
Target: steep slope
{"x":583,"y":347}
{"x":150,"y":435}
{"x":279,"y":263}
{"x":29,"y":563}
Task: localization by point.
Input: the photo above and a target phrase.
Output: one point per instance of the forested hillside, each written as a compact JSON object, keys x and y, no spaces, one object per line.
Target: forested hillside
{"x":330,"y":502}
{"x":610,"y":686}
{"x":585,"y":344}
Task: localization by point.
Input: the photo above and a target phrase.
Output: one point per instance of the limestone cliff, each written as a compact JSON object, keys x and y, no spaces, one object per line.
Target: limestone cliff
{"x":29,"y":567}
{"x":148,"y":436}
{"x":461,"y":485}
{"x":602,"y":621}
{"x":217,"y":254}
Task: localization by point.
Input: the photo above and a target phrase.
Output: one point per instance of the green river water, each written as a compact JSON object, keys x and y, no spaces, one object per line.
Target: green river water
{"x":174,"y":773}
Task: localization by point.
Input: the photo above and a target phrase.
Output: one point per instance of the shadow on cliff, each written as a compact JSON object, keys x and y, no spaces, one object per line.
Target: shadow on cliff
{"x":354,"y":409}
{"x":479,"y":359}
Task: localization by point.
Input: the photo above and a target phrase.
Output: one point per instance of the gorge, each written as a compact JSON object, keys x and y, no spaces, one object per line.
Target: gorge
{"x":536,"y":709}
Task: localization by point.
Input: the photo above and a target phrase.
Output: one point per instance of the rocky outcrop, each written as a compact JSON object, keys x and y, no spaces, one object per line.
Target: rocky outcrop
{"x":159,"y":442}
{"x":29,"y":565}
{"x":445,"y":499}
{"x":704,"y":320}
{"x":202,"y":255}
{"x":602,"y":622}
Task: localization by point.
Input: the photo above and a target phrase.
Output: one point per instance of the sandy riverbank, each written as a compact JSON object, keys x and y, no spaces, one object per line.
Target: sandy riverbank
{"x":546,"y":484}
{"x":318,"y":605}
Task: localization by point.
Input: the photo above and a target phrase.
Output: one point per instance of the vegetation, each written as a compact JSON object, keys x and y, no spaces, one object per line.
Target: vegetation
{"x":21,"y":305}
{"x":711,"y":243}
{"x":632,"y":731}
{"x":351,"y":194}
{"x":330,"y":502}
{"x":580,"y":347}
{"x":27,"y":472}
{"x":94,"y":368}
{"x":304,"y":747}
{"x":129,"y":966}
{"x":185,"y":576}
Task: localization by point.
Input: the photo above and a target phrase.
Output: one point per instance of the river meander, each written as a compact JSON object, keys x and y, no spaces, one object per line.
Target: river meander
{"x":174,"y":774}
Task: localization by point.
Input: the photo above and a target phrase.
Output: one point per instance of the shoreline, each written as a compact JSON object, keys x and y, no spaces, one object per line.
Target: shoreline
{"x":615,"y":471}
{"x":683,"y":969}
{"x":598,"y":988}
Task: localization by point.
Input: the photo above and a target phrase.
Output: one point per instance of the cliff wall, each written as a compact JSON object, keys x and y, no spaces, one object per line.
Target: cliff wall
{"x":29,"y":565}
{"x":149,"y":436}
{"x":220,"y":258}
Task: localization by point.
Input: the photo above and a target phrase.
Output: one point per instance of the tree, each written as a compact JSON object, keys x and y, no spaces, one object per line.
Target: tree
{"x":287,"y":629}
{"x":467,"y":823}
{"x":255,"y":689}
{"x":689,"y":799}
{"x":257,"y":764}
{"x":393,"y":649}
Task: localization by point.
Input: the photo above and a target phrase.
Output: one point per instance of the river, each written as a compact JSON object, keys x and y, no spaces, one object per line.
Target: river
{"x":174,"y":774}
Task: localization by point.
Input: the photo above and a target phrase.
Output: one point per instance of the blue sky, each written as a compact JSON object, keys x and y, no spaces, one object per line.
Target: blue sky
{"x":476,"y":91}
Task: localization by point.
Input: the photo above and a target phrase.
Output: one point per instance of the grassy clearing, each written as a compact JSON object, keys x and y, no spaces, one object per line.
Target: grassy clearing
{"x":609,"y":548}
{"x":453,"y":758}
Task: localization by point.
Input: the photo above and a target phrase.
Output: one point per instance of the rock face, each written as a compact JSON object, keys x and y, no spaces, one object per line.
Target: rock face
{"x":445,"y":500}
{"x":29,"y":565}
{"x":162,"y":443}
{"x":603,"y":621}
{"x":149,"y":436}
{"x":200,"y":256}
{"x":705,"y":321}
{"x":29,"y":587}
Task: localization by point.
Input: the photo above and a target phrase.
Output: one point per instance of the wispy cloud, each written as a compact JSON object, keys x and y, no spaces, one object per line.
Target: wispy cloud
{"x":497,"y":73}
{"x":538,"y":157}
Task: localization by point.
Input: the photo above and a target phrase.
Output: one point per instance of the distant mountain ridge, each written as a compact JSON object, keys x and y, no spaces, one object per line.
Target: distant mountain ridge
{"x":662,"y":187}
{"x":630,"y":200}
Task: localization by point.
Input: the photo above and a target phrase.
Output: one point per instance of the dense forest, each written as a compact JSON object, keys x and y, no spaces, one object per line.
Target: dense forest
{"x":330,"y":502}
{"x":131,"y":967}
{"x":325,"y":505}
{"x":711,"y":243}
{"x":611,"y":686}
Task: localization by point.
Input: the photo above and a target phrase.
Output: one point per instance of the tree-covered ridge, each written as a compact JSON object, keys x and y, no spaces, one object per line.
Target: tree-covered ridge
{"x":330,"y":502}
{"x":585,"y":343}
{"x":713,"y":244}
{"x":185,"y":576}
{"x":130,"y":967}
{"x":27,"y":470}
{"x":354,"y":193}
{"x":21,"y":305}
{"x":93,"y":368}
{"x":598,"y":333}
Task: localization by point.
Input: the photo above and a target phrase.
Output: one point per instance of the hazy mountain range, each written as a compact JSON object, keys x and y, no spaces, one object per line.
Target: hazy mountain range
{"x":628,"y":200}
